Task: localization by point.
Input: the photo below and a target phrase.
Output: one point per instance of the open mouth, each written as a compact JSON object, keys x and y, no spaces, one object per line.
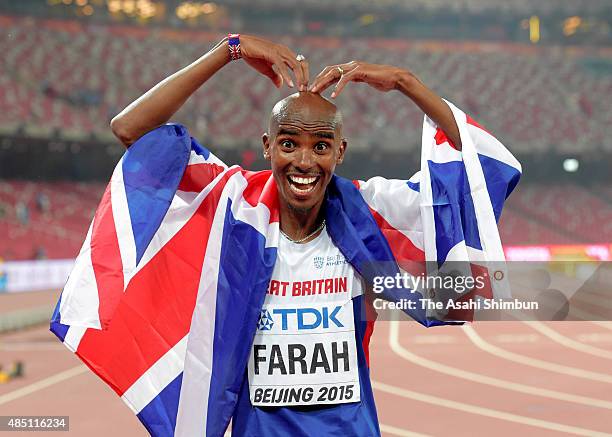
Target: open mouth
{"x":302,"y":185}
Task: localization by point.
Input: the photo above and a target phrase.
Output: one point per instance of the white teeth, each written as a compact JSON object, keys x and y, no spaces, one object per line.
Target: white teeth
{"x":301,"y":180}
{"x":300,"y":191}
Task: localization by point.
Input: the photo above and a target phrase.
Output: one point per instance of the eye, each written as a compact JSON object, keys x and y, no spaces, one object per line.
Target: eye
{"x":321,"y":147}
{"x":287,"y":144}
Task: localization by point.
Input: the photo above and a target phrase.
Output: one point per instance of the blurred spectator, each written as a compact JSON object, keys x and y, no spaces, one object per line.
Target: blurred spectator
{"x":40,"y":253}
{"x":23,"y":213}
{"x":3,"y":276}
{"x":48,"y":90}
{"x":43,"y":204}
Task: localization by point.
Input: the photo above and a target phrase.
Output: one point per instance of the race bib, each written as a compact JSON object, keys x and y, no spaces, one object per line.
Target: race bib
{"x":304,"y":355}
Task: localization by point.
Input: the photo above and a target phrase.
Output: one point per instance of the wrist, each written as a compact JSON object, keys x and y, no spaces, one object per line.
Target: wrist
{"x":406,"y":82}
{"x":221,"y":51}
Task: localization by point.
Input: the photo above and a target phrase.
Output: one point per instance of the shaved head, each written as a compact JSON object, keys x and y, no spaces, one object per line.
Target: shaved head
{"x":307,"y":108}
{"x":304,"y":145}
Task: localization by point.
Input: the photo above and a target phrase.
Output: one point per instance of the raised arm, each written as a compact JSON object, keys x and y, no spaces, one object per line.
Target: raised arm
{"x":156,"y":106}
{"x":387,"y":78}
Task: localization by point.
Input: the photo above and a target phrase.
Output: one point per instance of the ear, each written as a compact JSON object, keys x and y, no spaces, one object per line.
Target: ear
{"x":266,"y":145}
{"x":341,"y":151}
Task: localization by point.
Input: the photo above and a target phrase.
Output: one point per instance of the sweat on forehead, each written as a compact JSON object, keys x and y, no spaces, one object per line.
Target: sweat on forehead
{"x":306,"y":108}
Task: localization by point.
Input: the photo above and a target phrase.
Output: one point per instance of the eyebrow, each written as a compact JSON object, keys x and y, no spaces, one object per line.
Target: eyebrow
{"x":321,"y":134}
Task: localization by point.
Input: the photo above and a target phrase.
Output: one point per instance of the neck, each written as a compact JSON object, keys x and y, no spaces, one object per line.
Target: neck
{"x":298,"y":223}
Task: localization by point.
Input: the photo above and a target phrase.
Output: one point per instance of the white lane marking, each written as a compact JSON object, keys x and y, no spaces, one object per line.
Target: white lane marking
{"x":568,"y":342}
{"x":533,"y":362}
{"x":606,"y":324}
{"x":475,"y":409}
{"x":387,"y":429}
{"x":583,"y":315}
{"x":32,"y":346}
{"x":483,"y":379}
{"x":517,"y":338}
{"x":587,"y":316}
{"x":597,"y":301}
{"x":42,"y":384}
{"x":594,"y":337}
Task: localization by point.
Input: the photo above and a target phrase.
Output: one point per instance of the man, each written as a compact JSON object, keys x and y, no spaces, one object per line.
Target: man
{"x":295,"y":361}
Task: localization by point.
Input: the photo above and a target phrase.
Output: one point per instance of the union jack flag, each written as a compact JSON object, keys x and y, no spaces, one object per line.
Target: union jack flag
{"x":167,"y":290}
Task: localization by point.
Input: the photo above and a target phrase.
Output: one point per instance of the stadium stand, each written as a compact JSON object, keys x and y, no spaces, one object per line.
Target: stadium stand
{"x":538,"y":215}
{"x":33,"y":230}
{"x":65,"y":79}
{"x":464,"y":6}
{"x":69,"y":79}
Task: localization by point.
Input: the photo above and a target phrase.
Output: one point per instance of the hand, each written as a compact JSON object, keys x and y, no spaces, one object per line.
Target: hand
{"x":382,"y":77}
{"x":275,"y":61}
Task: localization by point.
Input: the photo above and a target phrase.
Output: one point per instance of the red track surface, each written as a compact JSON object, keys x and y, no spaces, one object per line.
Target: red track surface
{"x":435,"y":382}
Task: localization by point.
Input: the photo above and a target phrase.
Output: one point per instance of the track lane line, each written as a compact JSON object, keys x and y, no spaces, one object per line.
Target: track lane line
{"x":80,"y":369}
{"x":387,"y":429}
{"x":42,"y":384}
{"x":397,"y":348}
{"x":533,"y":362}
{"x":587,"y":316}
{"x":606,"y":325}
{"x":482,"y":411}
{"x":568,"y":342}
{"x":600,"y":301}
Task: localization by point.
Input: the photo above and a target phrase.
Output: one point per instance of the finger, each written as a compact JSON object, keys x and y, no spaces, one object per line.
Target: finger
{"x":333,"y":75}
{"x":282,"y":69}
{"x":267,"y":70}
{"x":295,"y":67}
{"x":276,"y":78}
{"x":316,"y":82}
{"x":346,"y":78}
{"x":291,"y":62}
{"x":305,"y":73}
{"x":300,"y":69}
{"x":323,"y":81}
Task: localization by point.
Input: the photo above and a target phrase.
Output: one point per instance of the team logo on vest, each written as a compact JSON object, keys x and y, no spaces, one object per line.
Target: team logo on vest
{"x":301,"y":318}
{"x":319,"y":262}
{"x":265,"y":321}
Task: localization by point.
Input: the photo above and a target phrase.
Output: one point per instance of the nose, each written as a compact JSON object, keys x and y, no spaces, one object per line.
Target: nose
{"x":305,"y":160}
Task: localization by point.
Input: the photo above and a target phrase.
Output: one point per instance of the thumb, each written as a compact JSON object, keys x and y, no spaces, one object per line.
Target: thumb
{"x":267,"y":70}
{"x":276,"y":78}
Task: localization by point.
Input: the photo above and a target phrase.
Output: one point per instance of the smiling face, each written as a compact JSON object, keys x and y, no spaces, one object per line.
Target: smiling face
{"x":304,"y":146}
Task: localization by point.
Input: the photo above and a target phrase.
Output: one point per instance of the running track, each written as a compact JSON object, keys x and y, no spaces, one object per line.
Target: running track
{"x":506,"y":379}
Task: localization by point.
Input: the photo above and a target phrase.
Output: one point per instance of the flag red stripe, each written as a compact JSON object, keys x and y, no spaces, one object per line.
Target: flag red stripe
{"x":473,"y":122}
{"x":106,"y":259}
{"x":403,"y":249}
{"x":262,"y":188}
{"x":371,"y":316}
{"x":198,"y":176}
{"x":155,"y":311}
{"x":441,"y":138}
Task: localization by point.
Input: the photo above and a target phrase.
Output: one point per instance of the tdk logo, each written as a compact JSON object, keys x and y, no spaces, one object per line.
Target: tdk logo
{"x":304,"y":318}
